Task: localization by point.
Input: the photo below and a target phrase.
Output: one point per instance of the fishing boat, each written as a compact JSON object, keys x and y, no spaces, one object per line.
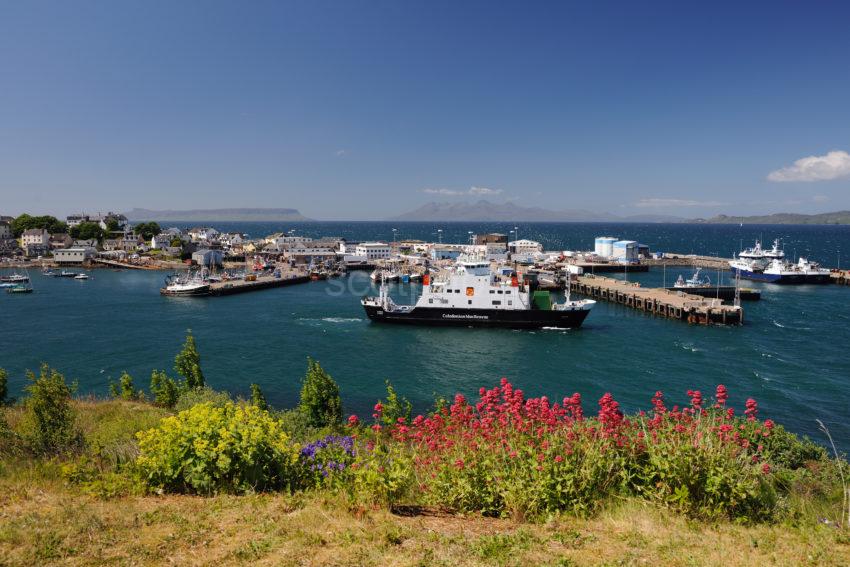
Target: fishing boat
{"x":66,"y":274}
{"x":81,"y":276}
{"x":472,"y":296}
{"x":185,"y":285}
{"x":695,"y":281}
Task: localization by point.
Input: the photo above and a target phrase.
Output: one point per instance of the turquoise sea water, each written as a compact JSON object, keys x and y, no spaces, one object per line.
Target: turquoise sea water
{"x":792,"y":354}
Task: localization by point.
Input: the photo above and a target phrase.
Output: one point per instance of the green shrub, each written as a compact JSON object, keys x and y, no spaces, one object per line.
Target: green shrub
{"x":257,"y":397}
{"x":49,"y":419}
{"x":125,"y":389}
{"x":209,"y":449}
{"x":165,"y":389}
{"x":4,"y":386}
{"x":187,"y":364}
{"x":320,"y":400}
{"x":193,"y":397}
{"x":394,"y":407}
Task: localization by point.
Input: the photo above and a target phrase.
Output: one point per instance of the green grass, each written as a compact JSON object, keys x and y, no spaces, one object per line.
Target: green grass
{"x":47,"y":520}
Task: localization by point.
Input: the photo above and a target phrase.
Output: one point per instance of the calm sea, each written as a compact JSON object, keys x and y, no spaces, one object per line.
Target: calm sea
{"x":792,"y":354}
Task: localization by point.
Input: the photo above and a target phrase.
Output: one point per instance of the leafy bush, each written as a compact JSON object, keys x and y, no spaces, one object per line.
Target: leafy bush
{"x":320,"y":400}
{"x":165,"y":389}
{"x":48,"y":422}
{"x":394,"y":408}
{"x":125,"y":389}
{"x":4,"y":386}
{"x":257,"y":397}
{"x":187,"y":364}
{"x":208,"y":449}
{"x":193,"y":397}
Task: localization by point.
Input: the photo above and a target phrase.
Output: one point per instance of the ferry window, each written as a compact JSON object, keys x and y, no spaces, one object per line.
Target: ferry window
{"x":448,"y":291}
{"x":510,"y":302}
{"x":457,"y":291}
{"x":430,"y":301}
{"x":497,"y":302}
{"x":469,"y":302}
{"x":501,"y":292}
{"x":492,"y":291}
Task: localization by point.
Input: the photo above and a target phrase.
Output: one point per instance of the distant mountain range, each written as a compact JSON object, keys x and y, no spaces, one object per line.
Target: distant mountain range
{"x":240,"y":215}
{"x":486,"y":211}
{"x":839,"y":217}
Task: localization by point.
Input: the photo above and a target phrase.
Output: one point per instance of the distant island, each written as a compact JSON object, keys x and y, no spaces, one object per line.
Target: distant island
{"x":485,"y":211}
{"x":240,"y":215}
{"x":839,"y":217}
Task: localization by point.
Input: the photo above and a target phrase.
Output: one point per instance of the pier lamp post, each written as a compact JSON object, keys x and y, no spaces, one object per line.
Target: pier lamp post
{"x":395,"y":230}
{"x":516,"y":232}
{"x":471,"y":239}
{"x":440,"y":235}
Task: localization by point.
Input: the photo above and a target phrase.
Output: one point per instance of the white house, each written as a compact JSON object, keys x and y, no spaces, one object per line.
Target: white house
{"x":373,"y":250}
{"x":35,"y":237}
{"x":76,"y":220}
{"x":204,"y":233}
{"x":120,"y":219}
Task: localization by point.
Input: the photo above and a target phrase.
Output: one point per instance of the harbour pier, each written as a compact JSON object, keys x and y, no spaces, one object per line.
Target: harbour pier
{"x":658,"y":301}
{"x":231,"y":287}
{"x":840,"y":277}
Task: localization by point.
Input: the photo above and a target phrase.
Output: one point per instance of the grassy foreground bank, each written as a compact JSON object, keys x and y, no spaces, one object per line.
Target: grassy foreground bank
{"x":195,"y":477}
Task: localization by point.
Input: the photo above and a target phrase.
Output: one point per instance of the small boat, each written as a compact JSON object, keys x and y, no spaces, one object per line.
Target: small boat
{"x":81,"y":276}
{"x":19,"y":288}
{"x":66,"y":274}
{"x":15,"y":278}
{"x":48,"y":273}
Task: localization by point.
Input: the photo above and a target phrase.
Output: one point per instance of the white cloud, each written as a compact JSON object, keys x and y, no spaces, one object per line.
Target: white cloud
{"x":483,"y":191}
{"x":341,"y":153}
{"x":820,"y":198}
{"x":471,"y":191}
{"x":661,"y":203}
{"x":833,"y":165}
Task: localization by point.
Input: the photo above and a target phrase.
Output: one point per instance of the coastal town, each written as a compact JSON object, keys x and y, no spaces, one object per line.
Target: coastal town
{"x":206,"y":261}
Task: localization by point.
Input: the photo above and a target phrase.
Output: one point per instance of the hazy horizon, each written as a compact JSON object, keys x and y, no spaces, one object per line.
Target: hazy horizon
{"x":349,"y":111}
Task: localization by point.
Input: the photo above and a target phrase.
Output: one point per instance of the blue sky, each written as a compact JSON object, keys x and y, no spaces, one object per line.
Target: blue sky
{"x":361,"y":110}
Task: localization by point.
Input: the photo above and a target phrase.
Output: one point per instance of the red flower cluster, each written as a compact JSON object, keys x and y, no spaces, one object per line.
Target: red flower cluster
{"x":505,"y":424}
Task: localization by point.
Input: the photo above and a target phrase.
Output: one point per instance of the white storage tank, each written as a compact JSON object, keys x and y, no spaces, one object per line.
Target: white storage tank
{"x":604,"y":246}
{"x":625,"y":250}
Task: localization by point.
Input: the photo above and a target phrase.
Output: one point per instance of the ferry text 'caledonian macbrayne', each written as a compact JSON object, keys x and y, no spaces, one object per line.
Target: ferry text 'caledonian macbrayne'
{"x":471,"y":296}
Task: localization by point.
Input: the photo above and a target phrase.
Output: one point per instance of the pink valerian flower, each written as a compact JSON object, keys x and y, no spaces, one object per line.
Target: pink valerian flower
{"x":765,"y":468}
{"x":353,"y":421}
{"x":696,"y":399}
{"x":751,"y":410}
{"x":658,"y":403}
{"x":721,"y":395}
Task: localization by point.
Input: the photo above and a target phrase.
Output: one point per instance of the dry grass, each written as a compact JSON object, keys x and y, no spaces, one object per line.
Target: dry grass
{"x":44,"y":523}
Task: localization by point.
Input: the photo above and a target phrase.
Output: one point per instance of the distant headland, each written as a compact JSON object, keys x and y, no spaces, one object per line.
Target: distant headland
{"x":240,"y":215}
{"x":839,"y":217}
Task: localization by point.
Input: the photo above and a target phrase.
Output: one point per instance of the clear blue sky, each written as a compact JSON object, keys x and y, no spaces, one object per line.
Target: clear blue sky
{"x":360,"y":110}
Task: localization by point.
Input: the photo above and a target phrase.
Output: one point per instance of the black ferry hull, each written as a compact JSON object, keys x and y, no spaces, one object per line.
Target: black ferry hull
{"x":452,"y":317}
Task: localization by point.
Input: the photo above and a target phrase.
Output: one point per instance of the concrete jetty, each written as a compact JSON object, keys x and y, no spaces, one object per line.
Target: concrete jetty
{"x":658,"y":301}
{"x":231,"y":287}
{"x":840,"y":277}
